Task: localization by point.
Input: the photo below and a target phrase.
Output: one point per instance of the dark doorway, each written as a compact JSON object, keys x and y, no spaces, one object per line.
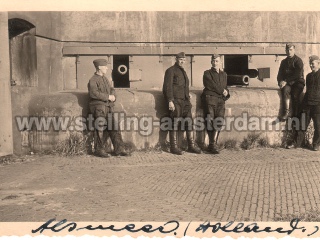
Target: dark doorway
{"x":16,"y":26}
{"x":120,"y":73}
{"x":236,"y":64}
{"x":23,"y":53}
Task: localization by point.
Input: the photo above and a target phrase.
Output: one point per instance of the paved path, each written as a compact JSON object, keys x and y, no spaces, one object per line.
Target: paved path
{"x":255,"y":185}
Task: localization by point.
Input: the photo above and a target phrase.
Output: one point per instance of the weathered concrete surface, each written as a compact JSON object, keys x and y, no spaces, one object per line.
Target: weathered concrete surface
{"x":151,"y":104}
{"x":192,"y":27}
{"x":48,"y":24}
{"x":6,"y":139}
{"x":53,"y":29}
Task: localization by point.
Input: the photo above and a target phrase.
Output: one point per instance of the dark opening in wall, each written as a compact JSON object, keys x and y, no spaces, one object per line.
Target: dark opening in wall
{"x":120,"y":73}
{"x":23,"y":53}
{"x":17,"y":26}
{"x":236,"y":64}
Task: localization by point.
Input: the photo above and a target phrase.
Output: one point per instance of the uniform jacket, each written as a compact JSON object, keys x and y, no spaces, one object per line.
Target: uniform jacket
{"x":99,"y":89}
{"x":214,"y":83}
{"x":312,"y":95}
{"x":176,"y":83}
{"x":291,"y":70}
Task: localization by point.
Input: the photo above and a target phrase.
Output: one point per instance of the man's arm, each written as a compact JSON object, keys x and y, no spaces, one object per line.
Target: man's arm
{"x":168,"y":84}
{"x":280,"y":76}
{"x":211,"y":84}
{"x":226,"y":93}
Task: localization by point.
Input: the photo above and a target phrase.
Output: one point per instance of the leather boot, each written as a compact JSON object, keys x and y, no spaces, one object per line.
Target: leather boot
{"x":101,"y":153}
{"x":211,"y":147}
{"x":286,"y":109}
{"x":191,"y":146}
{"x":121,"y":152}
{"x":173,"y":143}
{"x":215,"y":149}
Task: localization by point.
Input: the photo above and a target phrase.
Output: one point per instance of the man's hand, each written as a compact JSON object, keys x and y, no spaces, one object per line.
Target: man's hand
{"x":225,"y":92}
{"x":171,"y":106}
{"x":112,"y":98}
{"x":282,"y":84}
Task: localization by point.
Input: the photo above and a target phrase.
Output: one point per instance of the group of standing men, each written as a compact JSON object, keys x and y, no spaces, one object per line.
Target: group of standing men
{"x":291,"y":82}
{"x":176,"y":92}
{"x":215,"y":93}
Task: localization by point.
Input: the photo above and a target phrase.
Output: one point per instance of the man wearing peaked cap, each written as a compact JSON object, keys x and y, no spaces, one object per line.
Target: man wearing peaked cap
{"x":102,"y":98}
{"x":214,"y":95}
{"x":311,"y":105}
{"x":176,"y":92}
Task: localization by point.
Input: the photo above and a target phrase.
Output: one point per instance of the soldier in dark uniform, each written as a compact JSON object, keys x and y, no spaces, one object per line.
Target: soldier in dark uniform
{"x":176,"y":92}
{"x":102,"y":98}
{"x":214,"y":95}
{"x":311,"y":105}
{"x":291,"y":81}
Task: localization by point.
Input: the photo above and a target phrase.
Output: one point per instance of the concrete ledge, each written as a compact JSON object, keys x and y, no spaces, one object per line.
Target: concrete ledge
{"x":140,"y":103}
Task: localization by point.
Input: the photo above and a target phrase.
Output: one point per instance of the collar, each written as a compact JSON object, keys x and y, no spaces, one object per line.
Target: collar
{"x":291,"y":57}
{"x":98,"y":74}
{"x":176,"y":64}
{"x":214,"y":70}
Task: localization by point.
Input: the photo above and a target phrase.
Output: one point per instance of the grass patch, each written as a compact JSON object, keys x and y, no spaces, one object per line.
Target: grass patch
{"x":129,"y":147}
{"x":263,"y":142}
{"x":74,"y":145}
{"x":312,"y":215}
{"x":250,"y":141}
{"x":231,"y":144}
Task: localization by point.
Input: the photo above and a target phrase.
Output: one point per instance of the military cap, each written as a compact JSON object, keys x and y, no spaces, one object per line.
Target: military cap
{"x":289,"y":45}
{"x":214,"y":56}
{"x":180,"y":55}
{"x":100,"y":62}
{"x":313,"y":58}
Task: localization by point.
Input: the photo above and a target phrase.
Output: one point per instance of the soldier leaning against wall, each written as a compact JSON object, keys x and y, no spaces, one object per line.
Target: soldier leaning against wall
{"x":214,"y":95}
{"x":102,"y":98}
{"x":291,"y":82}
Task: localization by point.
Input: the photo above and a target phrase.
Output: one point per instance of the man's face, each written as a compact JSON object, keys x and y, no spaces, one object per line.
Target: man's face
{"x":314,"y":65}
{"x":290,"y":51}
{"x":103,"y":69}
{"x":180,"y":61}
{"x":216,"y":62}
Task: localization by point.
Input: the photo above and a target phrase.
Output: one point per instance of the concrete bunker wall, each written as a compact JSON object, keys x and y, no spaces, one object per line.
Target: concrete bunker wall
{"x":152,"y":34}
{"x":151,"y":104}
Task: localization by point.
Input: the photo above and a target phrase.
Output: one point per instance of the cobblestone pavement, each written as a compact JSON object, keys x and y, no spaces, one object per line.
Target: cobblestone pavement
{"x":255,"y":185}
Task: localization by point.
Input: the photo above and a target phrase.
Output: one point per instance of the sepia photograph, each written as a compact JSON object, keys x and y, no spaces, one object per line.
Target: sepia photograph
{"x":160,"y":121}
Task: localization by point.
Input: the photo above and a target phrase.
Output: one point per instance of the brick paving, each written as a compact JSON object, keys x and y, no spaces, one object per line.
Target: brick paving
{"x":255,"y":185}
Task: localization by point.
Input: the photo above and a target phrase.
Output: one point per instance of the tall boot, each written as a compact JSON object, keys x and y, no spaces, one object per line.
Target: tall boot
{"x":295,"y":108}
{"x":118,"y":144}
{"x":286,"y":109}
{"x":191,"y":146}
{"x":211,"y":141}
{"x":100,"y":145}
{"x":215,"y":149}
{"x":173,"y":143}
